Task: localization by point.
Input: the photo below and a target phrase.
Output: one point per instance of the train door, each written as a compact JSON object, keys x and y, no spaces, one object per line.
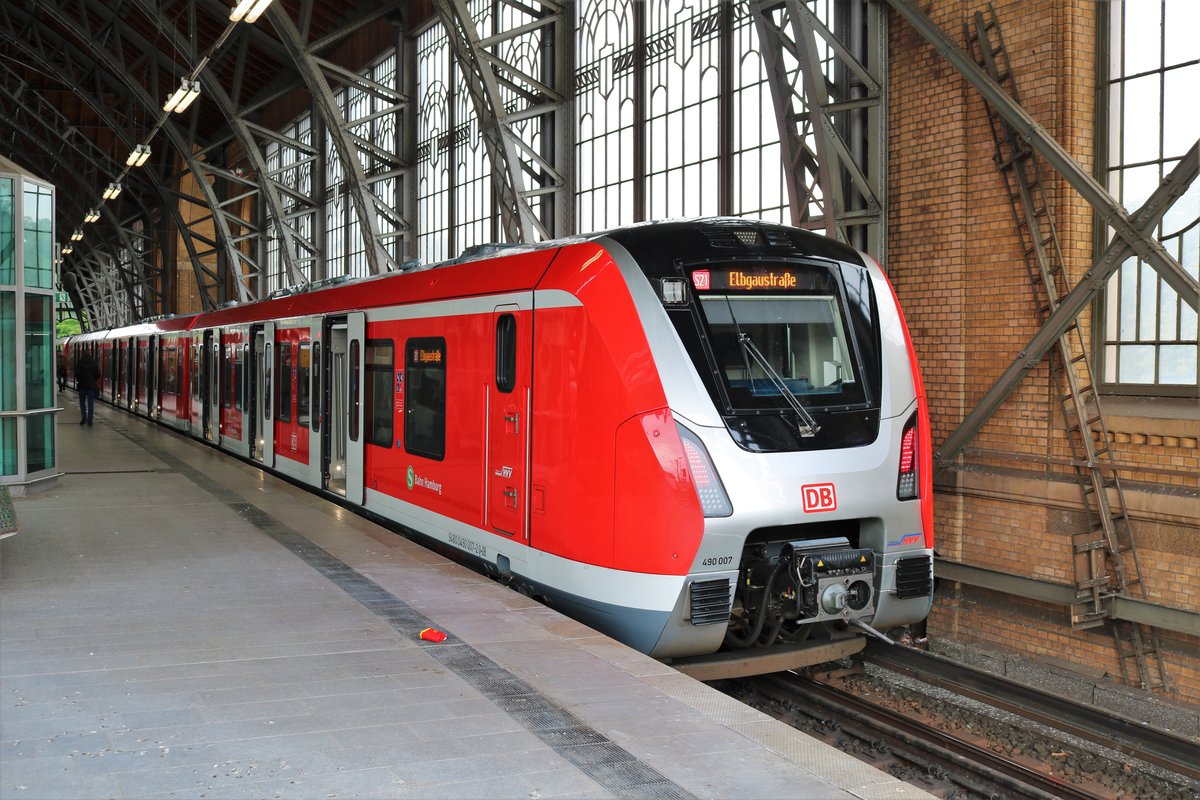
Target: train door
{"x":337,"y":417}
{"x":216,"y":368}
{"x":347,"y":345}
{"x":508,"y":423}
{"x":263,"y":354}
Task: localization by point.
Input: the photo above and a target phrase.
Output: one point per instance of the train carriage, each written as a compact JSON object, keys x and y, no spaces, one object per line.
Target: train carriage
{"x":692,"y":435}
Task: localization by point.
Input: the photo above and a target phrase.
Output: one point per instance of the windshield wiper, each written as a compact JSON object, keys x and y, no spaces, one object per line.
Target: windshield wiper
{"x":805,"y":425}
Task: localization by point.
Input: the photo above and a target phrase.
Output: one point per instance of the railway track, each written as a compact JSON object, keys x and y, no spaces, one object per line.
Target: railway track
{"x":1155,"y":746}
{"x":947,"y":763}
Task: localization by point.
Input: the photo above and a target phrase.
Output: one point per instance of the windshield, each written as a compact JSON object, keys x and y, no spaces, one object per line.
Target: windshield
{"x":800,"y":336}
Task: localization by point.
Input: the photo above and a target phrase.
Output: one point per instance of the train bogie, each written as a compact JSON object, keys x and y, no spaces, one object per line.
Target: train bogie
{"x":691,"y":435}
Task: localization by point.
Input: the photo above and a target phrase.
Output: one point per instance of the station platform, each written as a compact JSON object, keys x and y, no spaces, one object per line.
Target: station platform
{"x":177,"y":623}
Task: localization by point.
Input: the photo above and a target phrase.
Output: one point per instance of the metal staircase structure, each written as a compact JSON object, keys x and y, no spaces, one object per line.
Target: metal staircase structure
{"x":1104,"y":555}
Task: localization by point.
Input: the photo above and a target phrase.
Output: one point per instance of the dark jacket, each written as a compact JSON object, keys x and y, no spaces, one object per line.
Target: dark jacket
{"x":86,"y":373}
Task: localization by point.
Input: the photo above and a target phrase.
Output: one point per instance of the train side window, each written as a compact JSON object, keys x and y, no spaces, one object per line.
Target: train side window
{"x":302,"y":371}
{"x":283,"y":380}
{"x":506,"y":353}
{"x":266,"y":395}
{"x":380,"y":360}
{"x":316,"y":386}
{"x":227,"y":387}
{"x":239,"y":376}
{"x":425,"y":397}
{"x":354,"y":377}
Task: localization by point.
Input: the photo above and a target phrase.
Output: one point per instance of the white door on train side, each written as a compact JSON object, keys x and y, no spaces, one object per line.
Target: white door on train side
{"x":264,"y":368}
{"x":356,"y":335}
{"x":216,"y":384}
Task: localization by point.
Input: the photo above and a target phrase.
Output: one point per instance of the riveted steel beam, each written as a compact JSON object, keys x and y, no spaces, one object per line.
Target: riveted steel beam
{"x":319,"y":76}
{"x":1110,"y":210}
{"x":1146,"y":219}
{"x":828,"y":82}
{"x":55,"y":55}
{"x":521,"y":108}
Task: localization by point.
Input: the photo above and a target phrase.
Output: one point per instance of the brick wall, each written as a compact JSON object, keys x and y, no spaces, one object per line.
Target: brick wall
{"x":1010,"y":503}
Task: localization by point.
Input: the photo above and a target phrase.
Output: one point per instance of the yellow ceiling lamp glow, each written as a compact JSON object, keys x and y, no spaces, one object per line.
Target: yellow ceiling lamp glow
{"x":92,"y":216}
{"x":183,"y":97}
{"x":139,"y":155}
{"x":112,"y":191}
{"x":77,"y":235}
{"x":250,"y":10}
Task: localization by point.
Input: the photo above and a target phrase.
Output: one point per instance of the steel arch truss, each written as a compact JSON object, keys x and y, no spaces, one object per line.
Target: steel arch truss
{"x":366,"y":168}
{"x":39,"y":124}
{"x":827,"y":81}
{"x":94,"y":71}
{"x":517,"y":77}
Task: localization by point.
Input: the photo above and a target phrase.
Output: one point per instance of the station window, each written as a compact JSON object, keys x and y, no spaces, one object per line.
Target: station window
{"x":506,"y":352}
{"x":302,"y":371}
{"x":380,"y":397}
{"x":425,"y":397}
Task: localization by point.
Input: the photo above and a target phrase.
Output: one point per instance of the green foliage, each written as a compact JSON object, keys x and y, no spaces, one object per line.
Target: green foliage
{"x":67,"y":327}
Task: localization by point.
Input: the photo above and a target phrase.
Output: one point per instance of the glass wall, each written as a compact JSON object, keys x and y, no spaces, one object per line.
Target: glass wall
{"x":27,"y":385}
{"x":1149,"y":333}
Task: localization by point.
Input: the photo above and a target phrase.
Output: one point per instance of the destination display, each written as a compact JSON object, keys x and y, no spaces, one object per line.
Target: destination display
{"x":751,"y":279}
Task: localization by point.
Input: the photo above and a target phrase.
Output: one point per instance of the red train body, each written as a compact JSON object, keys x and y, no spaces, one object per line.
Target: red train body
{"x":589,"y":420}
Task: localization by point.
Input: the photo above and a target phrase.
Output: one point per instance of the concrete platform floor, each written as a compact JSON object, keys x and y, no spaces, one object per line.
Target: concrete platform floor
{"x":176,"y":623}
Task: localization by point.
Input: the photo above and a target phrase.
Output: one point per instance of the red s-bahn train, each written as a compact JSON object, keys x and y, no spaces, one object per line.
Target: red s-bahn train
{"x":691,"y":435}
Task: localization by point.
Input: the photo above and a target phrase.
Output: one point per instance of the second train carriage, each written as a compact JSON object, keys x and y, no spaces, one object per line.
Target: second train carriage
{"x":691,"y":435}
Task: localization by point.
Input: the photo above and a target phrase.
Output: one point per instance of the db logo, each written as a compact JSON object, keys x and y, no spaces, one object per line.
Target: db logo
{"x":819,"y":497}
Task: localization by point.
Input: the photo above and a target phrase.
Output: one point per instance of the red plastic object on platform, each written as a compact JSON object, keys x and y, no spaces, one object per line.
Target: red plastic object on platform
{"x":433,"y":635}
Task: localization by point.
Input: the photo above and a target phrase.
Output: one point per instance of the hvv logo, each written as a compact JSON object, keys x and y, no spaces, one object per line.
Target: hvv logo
{"x":819,"y":497}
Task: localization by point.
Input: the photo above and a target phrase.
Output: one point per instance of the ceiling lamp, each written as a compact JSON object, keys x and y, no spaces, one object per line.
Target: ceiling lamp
{"x":139,"y":155}
{"x":77,"y":235}
{"x":92,"y":216}
{"x":66,"y":251}
{"x":112,"y":191}
{"x":250,"y":10}
{"x":183,"y":97}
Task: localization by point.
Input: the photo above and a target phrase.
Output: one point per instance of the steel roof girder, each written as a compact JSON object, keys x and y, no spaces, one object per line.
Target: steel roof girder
{"x":335,"y":122}
{"x":478,"y":66}
{"x":1146,"y":218}
{"x":1112,"y":212}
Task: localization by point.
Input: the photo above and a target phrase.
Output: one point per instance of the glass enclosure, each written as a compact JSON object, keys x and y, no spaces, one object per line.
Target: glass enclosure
{"x":27,"y":385}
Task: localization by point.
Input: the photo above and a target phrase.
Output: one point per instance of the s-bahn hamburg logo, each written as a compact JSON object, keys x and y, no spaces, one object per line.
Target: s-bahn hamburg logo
{"x":819,"y":497}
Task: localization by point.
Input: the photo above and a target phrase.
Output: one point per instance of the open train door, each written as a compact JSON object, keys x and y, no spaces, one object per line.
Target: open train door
{"x":508,"y":424}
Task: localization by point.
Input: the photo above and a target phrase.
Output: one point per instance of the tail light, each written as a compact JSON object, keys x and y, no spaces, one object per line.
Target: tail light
{"x":907,"y":485}
{"x":713,"y":499}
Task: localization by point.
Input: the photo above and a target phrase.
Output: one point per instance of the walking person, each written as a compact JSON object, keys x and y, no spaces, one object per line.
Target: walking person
{"x":62,"y":373}
{"x":86,"y":374}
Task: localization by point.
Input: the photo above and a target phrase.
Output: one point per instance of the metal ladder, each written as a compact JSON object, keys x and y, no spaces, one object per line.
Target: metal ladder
{"x":1105,"y":558}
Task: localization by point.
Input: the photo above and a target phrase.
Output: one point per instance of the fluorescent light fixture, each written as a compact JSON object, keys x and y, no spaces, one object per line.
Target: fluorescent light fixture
{"x":112,"y":191}
{"x":183,"y":97}
{"x":77,"y":235}
{"x":250,"y":10}
{"x":66,"y":251}
{"x":258,"y":10}
{"x":139,"y":155}
{"x":92,"y":216}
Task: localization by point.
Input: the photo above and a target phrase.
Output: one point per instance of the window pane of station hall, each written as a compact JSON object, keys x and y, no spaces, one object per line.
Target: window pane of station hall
{"x":1150,"y":333}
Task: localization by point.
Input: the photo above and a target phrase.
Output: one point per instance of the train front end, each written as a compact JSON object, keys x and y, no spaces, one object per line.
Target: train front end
{"x":794,"y":387}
